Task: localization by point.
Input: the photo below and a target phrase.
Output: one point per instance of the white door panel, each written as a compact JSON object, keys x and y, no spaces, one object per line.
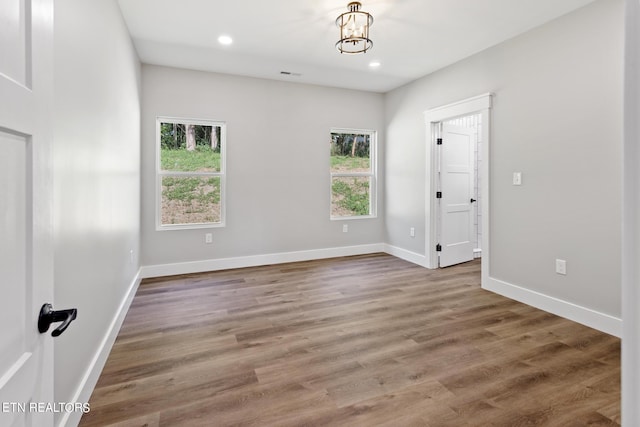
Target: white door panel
{"x":457,"y":186}
{"x":13,"y":229}
{"x":14,"y":43}
{"x":26,"y":274}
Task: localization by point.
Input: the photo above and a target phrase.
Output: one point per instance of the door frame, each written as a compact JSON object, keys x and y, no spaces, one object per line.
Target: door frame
{"x":480,"y":104}
{"x":631,"y":220}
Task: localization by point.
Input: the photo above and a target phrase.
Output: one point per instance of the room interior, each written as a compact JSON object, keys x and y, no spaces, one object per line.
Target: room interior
{"x":554,"y":74}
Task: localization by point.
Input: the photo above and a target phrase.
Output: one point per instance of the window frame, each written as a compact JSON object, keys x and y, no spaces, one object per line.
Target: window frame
{"x":220,"y":174}
{"x":372,"y":174}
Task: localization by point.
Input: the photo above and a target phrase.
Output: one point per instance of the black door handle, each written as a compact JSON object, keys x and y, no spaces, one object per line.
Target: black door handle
{"x":48,"y":316}
{"x":473,"y":200}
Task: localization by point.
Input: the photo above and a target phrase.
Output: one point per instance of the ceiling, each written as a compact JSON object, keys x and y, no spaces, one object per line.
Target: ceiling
{"x":411,"y":38}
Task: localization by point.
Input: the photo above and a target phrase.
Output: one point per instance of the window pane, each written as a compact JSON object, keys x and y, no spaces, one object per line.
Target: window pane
{"x":190,"y":200}
{"x":189,"y":148}
{"x":350,"y":153}
{"x":350,"y":196}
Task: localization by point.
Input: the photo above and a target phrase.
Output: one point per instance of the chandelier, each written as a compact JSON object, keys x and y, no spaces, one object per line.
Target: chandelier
{"x":354,"y":30}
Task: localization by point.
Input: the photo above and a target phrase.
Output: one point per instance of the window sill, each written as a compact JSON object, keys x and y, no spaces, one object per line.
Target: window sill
{"x":349,"y":218}
{"x":188,"y":226}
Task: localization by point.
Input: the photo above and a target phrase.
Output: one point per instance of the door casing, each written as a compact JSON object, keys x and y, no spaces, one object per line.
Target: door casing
{"x":480,"y":104}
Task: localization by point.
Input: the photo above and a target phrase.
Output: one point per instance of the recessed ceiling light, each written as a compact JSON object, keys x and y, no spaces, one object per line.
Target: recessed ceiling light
{"x":225,"y":40}
{"x":374,"y":64}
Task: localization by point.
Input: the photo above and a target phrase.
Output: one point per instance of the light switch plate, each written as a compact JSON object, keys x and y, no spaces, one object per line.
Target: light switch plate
{"x":517,"y":178}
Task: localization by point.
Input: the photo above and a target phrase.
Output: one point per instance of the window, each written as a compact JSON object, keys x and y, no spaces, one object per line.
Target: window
{"x":190,"y":173}
{"x":353,"y":173}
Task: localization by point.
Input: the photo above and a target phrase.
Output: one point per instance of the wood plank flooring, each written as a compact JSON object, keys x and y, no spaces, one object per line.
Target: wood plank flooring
{"x":359,"y":341}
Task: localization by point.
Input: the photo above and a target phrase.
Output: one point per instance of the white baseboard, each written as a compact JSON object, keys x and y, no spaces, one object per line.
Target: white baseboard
{"x":256,"y":260}
{"x":90,"y":377}
{"x":586,"y":316}
{"x":406,"y":255}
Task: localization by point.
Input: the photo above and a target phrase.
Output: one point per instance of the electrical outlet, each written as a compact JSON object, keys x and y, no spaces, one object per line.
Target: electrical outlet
{"x":131,"y":256}
{"x":345,"y":228}
{"x":208,"y":238}
{"x":412,"y":232}
{"x":561,"y":266}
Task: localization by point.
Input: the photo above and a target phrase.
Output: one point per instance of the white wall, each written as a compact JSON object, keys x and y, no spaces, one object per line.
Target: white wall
{"x":277,"y":163}
{"x":96,"y":179}
{"x":556,"y":118}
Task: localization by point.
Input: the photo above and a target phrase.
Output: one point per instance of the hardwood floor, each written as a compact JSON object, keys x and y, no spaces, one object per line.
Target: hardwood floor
{"x":366,"y":340}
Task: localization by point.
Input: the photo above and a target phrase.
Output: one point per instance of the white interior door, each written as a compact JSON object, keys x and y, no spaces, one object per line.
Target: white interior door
{"x":26,"y":257}
{"x":457,"y":187}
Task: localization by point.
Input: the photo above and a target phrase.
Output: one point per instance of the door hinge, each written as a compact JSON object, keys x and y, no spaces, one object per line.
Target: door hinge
{"x":439,"y":195}
{"x":438,"y":248}
{"x":439,"y":141}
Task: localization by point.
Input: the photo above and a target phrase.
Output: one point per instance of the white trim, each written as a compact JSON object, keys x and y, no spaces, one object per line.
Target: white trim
{"x":406,"y":255}
{"x":91,"y":375}
{"x":349,"y":218}
{"x":13,"y":370}
{"x":160,"y":270}
{"x":631,"y":220}
{"x":459,"y":108}
{"x":586,"y":316}
{"x":478,"y":104}
{"x":194,"y":226}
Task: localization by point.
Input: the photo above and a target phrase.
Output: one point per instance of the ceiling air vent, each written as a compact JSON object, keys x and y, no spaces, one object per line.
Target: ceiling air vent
{"x":289,"y":73}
